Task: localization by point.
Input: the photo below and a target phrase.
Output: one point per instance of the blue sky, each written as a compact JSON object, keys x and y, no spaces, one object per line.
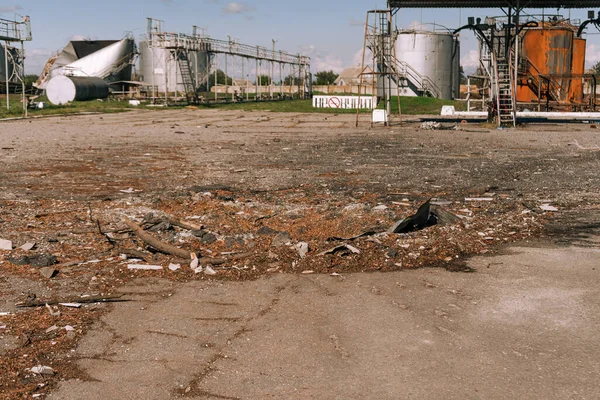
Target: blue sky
{"x":331,"y":32}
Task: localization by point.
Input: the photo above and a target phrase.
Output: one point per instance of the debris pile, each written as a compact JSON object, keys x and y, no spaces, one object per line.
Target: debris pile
{"x":76,"y":256}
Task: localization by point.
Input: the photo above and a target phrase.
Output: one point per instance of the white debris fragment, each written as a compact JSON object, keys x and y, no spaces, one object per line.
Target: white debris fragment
{"x":52,"y":329}
{"x":335,"y":274}
{"x":27,"y":246}
{"x":380,"y":208}
{"x":42,"y":370}
{"x":548,"y":207}
{"x":209,"y":271}
{"x":479,"y":199}
{"x":144,"y":267}
{"x":2,"y":326}
{"x":194,"y":263}
{"x":308,"y":272}
{"x":71,"y":305}
{"x":4,"y":314}
{"x":174,"y":267}
{"x":302,"y":249}
{"x":129,"y":191}
{"x":353,"y":249}
{"x":5,"y":244}
{"x":69,"y":328}
{"x":52,"y":312}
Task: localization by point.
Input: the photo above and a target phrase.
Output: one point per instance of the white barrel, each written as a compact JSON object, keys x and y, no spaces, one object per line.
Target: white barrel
{"x":66,"y":89}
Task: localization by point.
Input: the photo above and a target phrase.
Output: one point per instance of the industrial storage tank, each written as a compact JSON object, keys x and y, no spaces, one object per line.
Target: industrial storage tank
{"x":107,"y":59}
{"x":156,"y":62}
{"x":435,"y":56}
{"x":577,"y":70}
{"x":66,"y":89}
{"x":549,"y":50}
{"x":12,"y":59}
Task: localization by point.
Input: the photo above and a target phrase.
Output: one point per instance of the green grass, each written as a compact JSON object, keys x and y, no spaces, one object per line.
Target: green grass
{"x":423,"y":105}
{"x":94,"y":106}
{"x":410,"y":106}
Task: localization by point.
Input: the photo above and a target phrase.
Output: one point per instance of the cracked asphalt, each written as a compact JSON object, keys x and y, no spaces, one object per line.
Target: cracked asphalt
{"x":523,"y":326}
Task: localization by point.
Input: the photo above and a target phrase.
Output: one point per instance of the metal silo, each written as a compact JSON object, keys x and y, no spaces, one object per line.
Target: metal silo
{"x":435,"y":57}
{"x":12,"y":58}
{"x":159,"y":69}
{"x":577,"y":69}
{"x":549,"y":51}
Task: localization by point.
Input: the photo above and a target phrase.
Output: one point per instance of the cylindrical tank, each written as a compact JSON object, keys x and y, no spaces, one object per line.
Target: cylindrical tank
{"x":577,"y":69}
{"x":434,"y":56}
{"x":550,"y":50}
{"x":65,"y":89}
{"x":154,"y":64}
{"x":12,"y":56}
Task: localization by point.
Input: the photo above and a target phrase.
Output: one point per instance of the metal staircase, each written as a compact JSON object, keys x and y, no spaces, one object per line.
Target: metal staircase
{"x":422,"y":84}
{"x":187,"y":76}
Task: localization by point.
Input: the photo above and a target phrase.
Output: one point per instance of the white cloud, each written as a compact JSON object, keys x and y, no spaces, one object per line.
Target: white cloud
{"x":322,"y":60}
{"x":592,"y":55}
{"x":470,"y":61}
{"x":10,"y":9}
{"x":36,"y":59}
{"x":237,"y":8}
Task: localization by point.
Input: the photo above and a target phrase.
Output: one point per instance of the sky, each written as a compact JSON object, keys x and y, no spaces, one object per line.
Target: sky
{"x":330,"y":32}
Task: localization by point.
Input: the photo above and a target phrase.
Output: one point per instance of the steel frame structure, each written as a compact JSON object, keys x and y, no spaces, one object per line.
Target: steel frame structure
{"x":19,"y":32}
{"x":512,"y":9}
{"x":180,"y":43}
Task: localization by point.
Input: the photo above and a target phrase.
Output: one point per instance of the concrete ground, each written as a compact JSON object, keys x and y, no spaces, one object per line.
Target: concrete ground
{"x":524,"y":325}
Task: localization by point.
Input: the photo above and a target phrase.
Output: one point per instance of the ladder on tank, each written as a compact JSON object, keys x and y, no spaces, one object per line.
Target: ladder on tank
{"x":187,"y":77}
{"x":506,"y":108}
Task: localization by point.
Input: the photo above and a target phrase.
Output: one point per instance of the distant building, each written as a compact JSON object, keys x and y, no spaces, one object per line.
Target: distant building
{"x":242,"y":82}
{"x":351,"y":76}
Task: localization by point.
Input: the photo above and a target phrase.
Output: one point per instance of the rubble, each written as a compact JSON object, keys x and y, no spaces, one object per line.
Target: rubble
{"x":5,"y":244}
{"x":37,"y":260}
{"x":48,"y":272}
{"x":42,"y":370}
{"x":27,"y":246}
{"x":145,"y":267}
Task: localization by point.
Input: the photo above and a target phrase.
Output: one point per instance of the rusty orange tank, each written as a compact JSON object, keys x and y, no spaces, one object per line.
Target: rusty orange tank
{"x":577,"y":69}
{"x":546,"y":50}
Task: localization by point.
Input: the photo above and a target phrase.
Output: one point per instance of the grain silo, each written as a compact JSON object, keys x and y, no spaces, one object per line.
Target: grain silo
{"x":431,"y":61}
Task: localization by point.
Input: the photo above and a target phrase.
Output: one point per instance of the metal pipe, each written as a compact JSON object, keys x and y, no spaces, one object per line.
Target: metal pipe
{"x":6,"y":74}
{"x":216,"y":78}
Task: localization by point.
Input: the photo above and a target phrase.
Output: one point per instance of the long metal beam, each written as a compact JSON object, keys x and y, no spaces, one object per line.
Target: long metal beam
{"x":493,"y":4}
{"x":179,"y":41}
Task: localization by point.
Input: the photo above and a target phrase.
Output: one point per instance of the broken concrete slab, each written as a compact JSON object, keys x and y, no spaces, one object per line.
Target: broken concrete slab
{"x":282,"y":239}
{"x":37,"y":260}
{"x":48,"y":272}
{"x":27,"y":246}
{"x":5,"y":244}
{"x":42,"y":370}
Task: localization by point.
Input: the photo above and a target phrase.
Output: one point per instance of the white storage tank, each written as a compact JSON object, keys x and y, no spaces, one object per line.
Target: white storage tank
{"x":435,"y":56}
{"x":161,"y":62}
{"x":66,"y":89}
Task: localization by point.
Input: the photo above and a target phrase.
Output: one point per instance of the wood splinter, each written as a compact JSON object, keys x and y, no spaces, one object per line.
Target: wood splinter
{"x":155,"y":243}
